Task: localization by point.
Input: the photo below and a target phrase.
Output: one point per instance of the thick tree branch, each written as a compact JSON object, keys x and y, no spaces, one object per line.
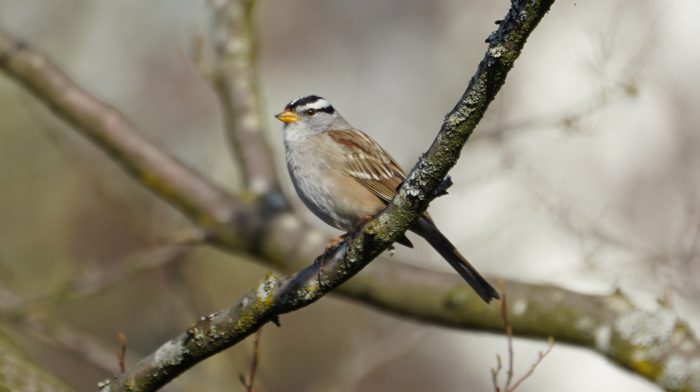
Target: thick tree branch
{"x":654,"y":344}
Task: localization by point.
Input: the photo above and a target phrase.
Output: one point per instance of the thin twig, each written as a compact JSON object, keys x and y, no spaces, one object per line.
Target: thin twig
{"x":85,"y":346}
{"x":121,"y":352}
{"x":540,"y":357}
{"x":509,"y":334}
{"x":495,"y":372}
{"x":509,"y":339}
{"x":249,"y":381}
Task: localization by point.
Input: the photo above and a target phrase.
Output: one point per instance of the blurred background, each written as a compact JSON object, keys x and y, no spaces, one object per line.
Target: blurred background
{"x":583,"y":174}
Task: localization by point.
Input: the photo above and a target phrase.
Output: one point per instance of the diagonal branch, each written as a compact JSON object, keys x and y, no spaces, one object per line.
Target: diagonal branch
{"x":275,"y":296}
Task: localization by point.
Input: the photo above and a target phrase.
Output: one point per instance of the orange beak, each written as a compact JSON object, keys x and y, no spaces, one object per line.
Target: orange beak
{"x":287,"y":117}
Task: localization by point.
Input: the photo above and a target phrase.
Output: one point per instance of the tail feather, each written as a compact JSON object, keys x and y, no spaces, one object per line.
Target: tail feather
{"x":442,"y":245}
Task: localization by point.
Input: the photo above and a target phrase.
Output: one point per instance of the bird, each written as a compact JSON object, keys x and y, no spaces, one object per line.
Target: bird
{"x":345,"y":177}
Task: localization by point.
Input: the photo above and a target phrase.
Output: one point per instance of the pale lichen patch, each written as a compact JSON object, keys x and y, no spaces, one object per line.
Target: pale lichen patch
{"x":266,"y":289}
{"x":677,"y":371}
{"x":457,"y":299}
{"x":687,"y":346}
{"x":602,"y":338}
{"x":520,"y":306}
{"x":262,"y":292}
{"x":169,"y":354}
{"x":497,"y":50}
{"x":643,"y":328}
{"x":214,"y":332}
{"x":639,"y":356}
{"x":105,"y":385}
{"x":585,"y":324}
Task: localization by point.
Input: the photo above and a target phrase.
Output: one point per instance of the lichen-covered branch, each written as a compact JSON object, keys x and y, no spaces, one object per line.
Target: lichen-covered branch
{"x":276,"y":296}
{"x":236,"y":83}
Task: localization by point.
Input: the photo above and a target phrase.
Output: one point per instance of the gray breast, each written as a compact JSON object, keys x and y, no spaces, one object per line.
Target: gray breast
{"x":310,"y":179}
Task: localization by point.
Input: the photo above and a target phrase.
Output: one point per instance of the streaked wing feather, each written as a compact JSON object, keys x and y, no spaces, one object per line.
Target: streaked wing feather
{"x":370,"y":164}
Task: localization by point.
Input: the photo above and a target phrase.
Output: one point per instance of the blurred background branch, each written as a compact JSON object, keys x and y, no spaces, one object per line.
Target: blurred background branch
{"x":236,"y":83}
{"x":17,"y":373}
{"x":115,"y":134}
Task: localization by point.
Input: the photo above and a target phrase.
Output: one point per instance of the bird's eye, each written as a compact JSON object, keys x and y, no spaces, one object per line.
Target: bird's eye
{"x":310,"y":112}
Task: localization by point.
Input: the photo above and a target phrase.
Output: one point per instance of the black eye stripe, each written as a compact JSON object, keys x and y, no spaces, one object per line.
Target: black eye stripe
{"x":327,"y":109}
{"x":298,"y":104}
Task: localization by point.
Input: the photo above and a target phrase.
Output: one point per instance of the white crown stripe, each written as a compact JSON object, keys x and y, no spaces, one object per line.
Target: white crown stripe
{"x":317,"y":105}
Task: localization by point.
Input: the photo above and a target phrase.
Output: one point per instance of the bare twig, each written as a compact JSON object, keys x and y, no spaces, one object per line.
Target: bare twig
{"x":83,"y":345}
{"x":495,"y":372}
{"x":509,"y":334}
{"x":540,"y":357}
{"x":510,"y":385}
{"x":249,"y":381}
{"x":121,"y":352}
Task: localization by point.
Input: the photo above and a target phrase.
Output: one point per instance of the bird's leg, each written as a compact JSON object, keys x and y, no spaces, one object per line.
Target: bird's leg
{"x":337,"y":240}
{"x":334,"y":242}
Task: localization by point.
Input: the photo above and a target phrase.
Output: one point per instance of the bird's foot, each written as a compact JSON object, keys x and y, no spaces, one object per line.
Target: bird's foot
{"x":334,"y":242}
{"x":337,"y":240}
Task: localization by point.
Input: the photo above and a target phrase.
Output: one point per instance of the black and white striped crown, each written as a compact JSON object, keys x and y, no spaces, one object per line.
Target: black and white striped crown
{"x":313,"y":102}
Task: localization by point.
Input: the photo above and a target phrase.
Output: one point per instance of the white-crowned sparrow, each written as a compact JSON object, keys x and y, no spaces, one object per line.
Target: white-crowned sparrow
{"x":344,"y":176}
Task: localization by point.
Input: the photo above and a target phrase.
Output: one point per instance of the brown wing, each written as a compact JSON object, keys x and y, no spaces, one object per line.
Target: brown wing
{"x":369,"y":164}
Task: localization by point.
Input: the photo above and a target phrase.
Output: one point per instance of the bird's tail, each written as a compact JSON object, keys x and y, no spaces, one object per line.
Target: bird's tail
{"x":426,"y":229}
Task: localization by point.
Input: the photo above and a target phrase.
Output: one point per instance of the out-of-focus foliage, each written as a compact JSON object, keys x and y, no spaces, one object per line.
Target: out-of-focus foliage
{"x":19,"y":374}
